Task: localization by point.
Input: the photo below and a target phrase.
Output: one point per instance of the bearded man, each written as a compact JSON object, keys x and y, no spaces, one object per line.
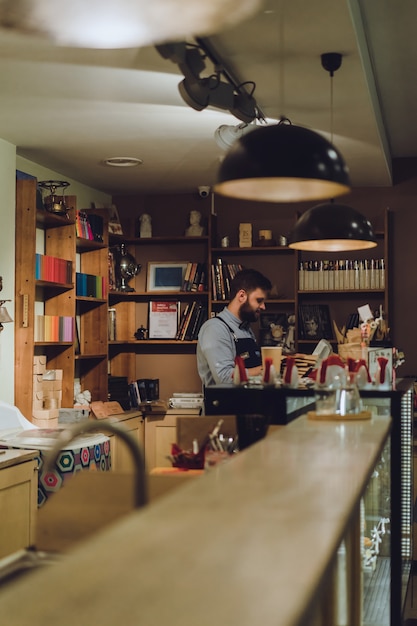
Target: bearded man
{"x":228,"y":334}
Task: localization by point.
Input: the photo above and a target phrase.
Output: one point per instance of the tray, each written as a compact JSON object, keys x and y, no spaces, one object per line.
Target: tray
{"x":335,"y":417}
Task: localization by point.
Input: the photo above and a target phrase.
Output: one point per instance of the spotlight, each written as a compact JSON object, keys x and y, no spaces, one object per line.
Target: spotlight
{"x":195,"y":93}
{"x":225,"y":135}
{"x":244,"y":107}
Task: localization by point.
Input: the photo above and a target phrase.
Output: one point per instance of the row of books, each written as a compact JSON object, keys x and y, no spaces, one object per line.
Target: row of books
{"x":54,"y":328}
{"x":340,"y":275}
{"x":192,"y":318}
{"x":53,"y":269}
{"x":143,"y":390}
{"x":90,"y":285}
{"x":195,"y":277}
{"x":221,"y":275}
{"x":89,"y":226}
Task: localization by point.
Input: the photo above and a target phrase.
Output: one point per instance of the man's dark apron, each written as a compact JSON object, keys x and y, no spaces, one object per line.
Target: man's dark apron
{"x":246,"y":347}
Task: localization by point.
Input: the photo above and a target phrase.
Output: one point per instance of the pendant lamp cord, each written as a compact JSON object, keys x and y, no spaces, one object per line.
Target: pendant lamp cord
{"x":281,"y":53}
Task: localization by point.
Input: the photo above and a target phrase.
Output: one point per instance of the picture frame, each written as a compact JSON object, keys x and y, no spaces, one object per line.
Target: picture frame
{"x":273,"y":328}
{"x":167,"y":276}
{"x":314,"y":322}
{"x":163,"y":319}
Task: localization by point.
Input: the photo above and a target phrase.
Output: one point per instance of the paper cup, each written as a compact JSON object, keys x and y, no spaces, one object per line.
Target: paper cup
{"x":274,"y":353}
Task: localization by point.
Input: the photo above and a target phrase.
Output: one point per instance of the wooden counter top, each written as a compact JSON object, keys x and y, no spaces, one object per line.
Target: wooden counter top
{"x":246,"y":544}
{"x":11,"y":457}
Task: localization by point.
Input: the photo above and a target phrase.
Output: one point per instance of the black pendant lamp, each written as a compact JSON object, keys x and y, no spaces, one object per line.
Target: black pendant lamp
{"x":283,"y":163}
{"x":332,"y":227}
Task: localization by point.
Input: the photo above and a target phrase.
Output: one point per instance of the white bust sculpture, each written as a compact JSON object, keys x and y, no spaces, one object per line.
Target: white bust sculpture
{"x":145,"y":225}
{"x":195,"y":229}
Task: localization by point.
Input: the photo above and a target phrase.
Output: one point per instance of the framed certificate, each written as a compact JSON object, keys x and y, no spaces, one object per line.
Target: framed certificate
{"x":163,"y":319}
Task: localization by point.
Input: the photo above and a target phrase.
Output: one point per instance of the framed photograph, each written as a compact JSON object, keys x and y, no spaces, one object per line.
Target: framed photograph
{"x":115,"y":227}
{"x":314,"y":322}
{"x":165,"y":276}
{"x":273,"y":329}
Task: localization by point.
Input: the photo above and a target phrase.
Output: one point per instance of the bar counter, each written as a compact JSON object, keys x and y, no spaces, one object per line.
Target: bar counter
{"x":251,"y":542}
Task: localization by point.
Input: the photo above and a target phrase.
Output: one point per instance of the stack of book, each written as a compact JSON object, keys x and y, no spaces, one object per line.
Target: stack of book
{"x":221,"y":275}
{"x":54,"y":328}
{"x":143,"y":390}
{"x":53,"y":269}
{"x":118,"y":391}
{"x":89,"y":226}
{"x":187,"y":402}
{"x":90,"y":285}
{"x":192,"y":318}
{"x":195,"y":277}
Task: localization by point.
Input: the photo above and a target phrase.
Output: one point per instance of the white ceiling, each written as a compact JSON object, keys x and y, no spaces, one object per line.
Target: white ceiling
{"x":69,"y":109}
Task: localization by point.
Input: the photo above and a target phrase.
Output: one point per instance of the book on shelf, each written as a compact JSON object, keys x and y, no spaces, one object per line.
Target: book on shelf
{"x":194,"y":277}
{"x":193,"y":316}
{"x":178,"y":403}
{"x":183,"y":318}
{"x":196,"y":322}
{"x":90,"y":285}
{"x":163,"y":319}
{"x":222,"y":276}
{"x":112,"y":316}
{"x":53,"y":269}
{"x":89,"y":226}
{"x":187,"y":320}
{"x":54,"y":328}
{"x":187,"y":394}
{"x":134,"y":394}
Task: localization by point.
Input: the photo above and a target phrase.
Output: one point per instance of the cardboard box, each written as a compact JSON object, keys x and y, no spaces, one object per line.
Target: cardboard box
{"x":48,"y":423}
{"x":46,"y":414}
{"x":37,"y":400}
{"x":52,"y":375}
{"x":49,"y":386}
{"x":74,"y":415}
{"x":39,"y":364}
{"x":37,"y":382}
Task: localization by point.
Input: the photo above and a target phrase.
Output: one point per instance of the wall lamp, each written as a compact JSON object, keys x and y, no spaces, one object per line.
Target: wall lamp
{"x":4,"y":315}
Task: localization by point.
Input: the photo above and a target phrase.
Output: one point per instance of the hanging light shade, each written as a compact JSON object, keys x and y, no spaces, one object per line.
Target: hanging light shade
{"x":332,"y":227}
{"x":121,"y":23}
{"x":283,"y":163}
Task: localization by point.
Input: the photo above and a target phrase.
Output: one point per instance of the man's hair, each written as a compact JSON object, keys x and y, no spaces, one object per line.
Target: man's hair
{"x":249,"y":280}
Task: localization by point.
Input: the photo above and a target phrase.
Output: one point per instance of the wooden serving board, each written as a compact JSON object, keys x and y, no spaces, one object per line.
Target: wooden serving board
{"x":331,"y":417}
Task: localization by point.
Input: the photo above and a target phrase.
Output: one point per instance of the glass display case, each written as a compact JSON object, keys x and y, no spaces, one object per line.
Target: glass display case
{"x":387,"y":505}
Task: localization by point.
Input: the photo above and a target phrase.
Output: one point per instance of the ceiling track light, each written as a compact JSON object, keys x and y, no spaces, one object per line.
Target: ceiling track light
{"x":332,"y":227}
{"x":199,"y":92}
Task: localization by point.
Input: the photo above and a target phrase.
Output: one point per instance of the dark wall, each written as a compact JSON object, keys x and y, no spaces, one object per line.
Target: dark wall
{"x":401,"y":199}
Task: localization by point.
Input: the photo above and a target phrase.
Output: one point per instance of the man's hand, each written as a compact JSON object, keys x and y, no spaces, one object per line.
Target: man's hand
{"x":255,"y":371}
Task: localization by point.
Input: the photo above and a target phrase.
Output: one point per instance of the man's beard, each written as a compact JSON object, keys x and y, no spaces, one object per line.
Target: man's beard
{"x":247,"y":314}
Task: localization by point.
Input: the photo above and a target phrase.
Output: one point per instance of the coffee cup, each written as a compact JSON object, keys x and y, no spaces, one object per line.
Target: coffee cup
{"x":274,"y":353}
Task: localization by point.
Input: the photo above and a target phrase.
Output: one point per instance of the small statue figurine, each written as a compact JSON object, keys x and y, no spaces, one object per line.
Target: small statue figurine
{"x":195,"y":229}
{"x":82,"y":398}
{"x":145,"y":225}
{"x":141,"y":333}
